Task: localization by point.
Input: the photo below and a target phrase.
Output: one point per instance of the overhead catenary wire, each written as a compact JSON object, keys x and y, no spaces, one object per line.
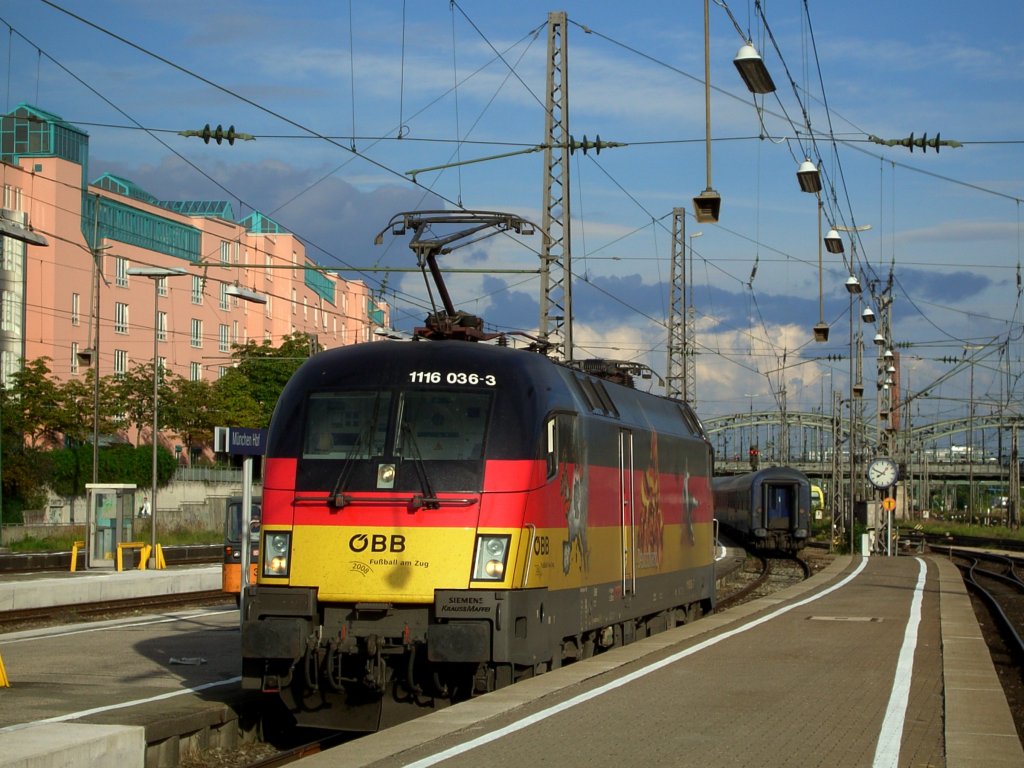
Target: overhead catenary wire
{"x":713,"y":263}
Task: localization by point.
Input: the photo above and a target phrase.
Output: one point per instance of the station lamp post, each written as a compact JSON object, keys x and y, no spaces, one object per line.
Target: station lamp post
{"x":13,"y":229}
{"x":853,"y":288}
{"x":156,"y":274}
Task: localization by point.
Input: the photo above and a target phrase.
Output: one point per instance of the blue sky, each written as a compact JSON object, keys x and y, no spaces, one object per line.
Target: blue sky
{"x":946,"y":226}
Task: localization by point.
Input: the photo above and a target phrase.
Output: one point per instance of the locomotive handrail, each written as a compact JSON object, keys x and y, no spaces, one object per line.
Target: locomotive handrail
{"x":529,"y":552}
{"x":416,"y":500}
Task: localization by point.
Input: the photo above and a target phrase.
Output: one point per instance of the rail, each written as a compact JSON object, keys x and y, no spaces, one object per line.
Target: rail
{"x":994,"y":579}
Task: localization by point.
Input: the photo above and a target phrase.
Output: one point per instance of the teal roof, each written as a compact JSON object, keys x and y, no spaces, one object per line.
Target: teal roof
{"x":32,"y":132}
{"x":259,"y":224}
{"x":218,"y":209}
{"x":122,"y":186}
{"x":26,"y":110}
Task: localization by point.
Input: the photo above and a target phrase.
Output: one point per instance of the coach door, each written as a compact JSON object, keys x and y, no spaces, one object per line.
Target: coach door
{"x":779,"y":505}
{"x":626,"y":506}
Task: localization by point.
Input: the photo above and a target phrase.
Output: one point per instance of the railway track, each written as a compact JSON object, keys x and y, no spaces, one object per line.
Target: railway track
{"x":770,"y":575}
{"x":997,"y":593}
{"x":33,"y":618}
{"x":996,"y":580}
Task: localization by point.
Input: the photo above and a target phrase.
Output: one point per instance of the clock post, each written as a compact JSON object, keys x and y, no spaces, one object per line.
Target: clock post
{"x":883,"y":473}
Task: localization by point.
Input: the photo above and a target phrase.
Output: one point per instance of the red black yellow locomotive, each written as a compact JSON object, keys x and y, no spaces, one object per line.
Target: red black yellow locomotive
{"x":442,"y":518}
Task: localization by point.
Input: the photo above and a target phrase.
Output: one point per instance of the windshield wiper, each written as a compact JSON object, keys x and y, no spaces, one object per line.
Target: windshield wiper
{"x":338,"y":492}
{"x":428,"y":500}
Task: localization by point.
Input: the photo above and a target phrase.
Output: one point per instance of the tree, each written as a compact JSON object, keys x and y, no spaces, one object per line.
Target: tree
{"x":189,"y":408}
{"x":269,"y":368}
{"x":235,"y":405}
{"x":40,"y":414}
{"x":134,"y":392}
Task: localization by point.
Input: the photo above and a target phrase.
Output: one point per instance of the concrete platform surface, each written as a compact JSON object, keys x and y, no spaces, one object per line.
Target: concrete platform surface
{"x":836,"y":671}
{"x":873,"y":662}
{"x":21,"y":591}
{"x":70,"y":745}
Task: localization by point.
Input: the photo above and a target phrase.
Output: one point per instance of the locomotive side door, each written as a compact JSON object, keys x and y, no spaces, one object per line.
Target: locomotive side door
{"x":626,"y":506}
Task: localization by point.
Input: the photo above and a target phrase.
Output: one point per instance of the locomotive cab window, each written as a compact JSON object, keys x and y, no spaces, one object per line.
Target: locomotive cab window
{"x":346,"y":425}
{"x":420,"y":440}
{"x":437,"y":425}
{"x":560,"y":442}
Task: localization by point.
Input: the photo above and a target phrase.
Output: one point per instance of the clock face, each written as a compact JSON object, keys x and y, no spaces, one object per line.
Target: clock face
{"x":882,"y":473}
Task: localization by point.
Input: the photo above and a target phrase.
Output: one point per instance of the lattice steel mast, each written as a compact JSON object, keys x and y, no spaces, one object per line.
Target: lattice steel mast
{"x":677,"y":379}
{"x":556,"y":262}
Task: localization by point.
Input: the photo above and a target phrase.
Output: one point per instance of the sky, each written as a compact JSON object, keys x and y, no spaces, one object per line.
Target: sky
{"x":345,"y":98}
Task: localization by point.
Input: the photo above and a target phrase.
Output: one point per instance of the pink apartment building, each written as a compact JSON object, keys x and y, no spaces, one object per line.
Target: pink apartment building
{"x":49,"y":293}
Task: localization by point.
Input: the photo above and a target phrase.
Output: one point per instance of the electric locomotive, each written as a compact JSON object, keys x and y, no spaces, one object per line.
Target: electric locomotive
{"x":767,"y":510}
{"x":442,"y":518}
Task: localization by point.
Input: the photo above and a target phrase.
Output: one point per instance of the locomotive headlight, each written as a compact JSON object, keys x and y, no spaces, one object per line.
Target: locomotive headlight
{"x":277,"y":546}
{"x":491,"y":557}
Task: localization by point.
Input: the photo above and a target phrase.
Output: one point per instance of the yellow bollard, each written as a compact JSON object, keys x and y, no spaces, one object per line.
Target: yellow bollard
{"x":4,"y":682}
{"x":160,"y":562}
{"x":75,"y":546}
{"x":139,"y":545}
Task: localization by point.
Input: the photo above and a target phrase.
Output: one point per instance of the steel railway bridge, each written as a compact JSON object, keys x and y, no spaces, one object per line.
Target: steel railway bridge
{"x":964,"y":463}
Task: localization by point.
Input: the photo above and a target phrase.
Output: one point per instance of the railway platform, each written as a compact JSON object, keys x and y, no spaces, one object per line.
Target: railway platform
{"x":54,"y":589}
{"x":872,"y":662}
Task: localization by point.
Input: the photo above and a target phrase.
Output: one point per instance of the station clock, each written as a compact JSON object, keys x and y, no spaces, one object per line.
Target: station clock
{"x":883,"y":472}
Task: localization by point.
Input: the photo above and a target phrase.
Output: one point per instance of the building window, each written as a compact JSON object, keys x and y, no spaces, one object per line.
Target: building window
{"x":225,"y":252}
{"x":197,"y":333}
{"x":222,"y":371}
{"x":161,"y":286}
{"x":75,"y":301}
{"x":120,"y":318}
{"x":10,"y":312}
{"x":74,"y":358}
{"x":222,"y":338}
{"x":161,"y":326}
{"x":224,"y":296}
{"x":120,"y":362}
{"x":195,"y":371}
{"x":295,"y":306}
{"x":197,"y":289}
{"x":12,"y":253}
{"x":234,"y":331}
{"x":121,"y":271}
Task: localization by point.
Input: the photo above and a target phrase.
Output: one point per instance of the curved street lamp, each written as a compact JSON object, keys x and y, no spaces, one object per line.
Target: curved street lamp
{"x":156,"y":274}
